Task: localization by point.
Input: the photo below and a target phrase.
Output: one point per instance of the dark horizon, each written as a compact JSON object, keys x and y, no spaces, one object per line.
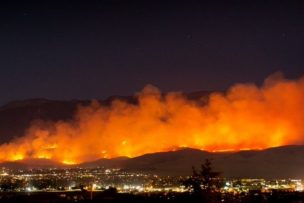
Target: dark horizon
{"x":71,"y":50}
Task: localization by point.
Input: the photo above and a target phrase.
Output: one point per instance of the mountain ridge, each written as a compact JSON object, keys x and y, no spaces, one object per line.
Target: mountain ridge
{"x":276,"y":162}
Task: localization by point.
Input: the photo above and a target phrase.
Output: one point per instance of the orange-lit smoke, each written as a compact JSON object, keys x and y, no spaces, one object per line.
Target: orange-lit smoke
{"x":245,"y":117}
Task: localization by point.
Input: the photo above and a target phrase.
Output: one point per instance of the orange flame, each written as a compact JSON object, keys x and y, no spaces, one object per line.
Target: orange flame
{"x":245,"y":117}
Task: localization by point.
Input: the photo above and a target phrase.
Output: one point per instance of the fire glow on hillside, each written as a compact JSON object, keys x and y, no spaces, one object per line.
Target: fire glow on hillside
{"x":245,"y":117}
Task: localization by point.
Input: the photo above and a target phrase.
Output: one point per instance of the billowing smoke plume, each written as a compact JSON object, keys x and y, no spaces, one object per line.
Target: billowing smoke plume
{"x":245,"y":117}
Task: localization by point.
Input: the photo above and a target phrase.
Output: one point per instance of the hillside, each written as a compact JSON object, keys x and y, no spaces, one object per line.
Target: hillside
{"x":279,"y":162}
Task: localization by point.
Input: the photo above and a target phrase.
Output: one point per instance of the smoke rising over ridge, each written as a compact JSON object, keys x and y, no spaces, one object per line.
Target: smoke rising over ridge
{"x":244,"y":117}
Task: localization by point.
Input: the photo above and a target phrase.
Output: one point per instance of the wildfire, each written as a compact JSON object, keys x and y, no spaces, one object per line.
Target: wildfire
{"x":245,"y":117}
{"x":68,"y":162}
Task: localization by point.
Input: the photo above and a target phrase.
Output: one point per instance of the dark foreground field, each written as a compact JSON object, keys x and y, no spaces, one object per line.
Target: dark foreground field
{"x":108,"y":197}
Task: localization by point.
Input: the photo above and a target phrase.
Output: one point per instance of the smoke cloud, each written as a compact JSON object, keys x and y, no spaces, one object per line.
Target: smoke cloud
{"x":244,"y":117}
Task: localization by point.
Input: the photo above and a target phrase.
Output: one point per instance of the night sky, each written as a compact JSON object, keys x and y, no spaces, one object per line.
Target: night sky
{"x":81,"y":50}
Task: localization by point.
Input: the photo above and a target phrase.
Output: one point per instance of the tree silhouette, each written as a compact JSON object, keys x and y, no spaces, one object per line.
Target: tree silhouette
{"x":206,"y":180}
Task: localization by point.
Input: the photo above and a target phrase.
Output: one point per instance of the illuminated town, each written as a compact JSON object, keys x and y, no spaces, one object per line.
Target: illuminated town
{"x":101,"y":179}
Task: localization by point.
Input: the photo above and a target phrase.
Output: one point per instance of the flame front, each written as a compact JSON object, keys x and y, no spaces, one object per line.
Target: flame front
{"x":245,"y":117}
